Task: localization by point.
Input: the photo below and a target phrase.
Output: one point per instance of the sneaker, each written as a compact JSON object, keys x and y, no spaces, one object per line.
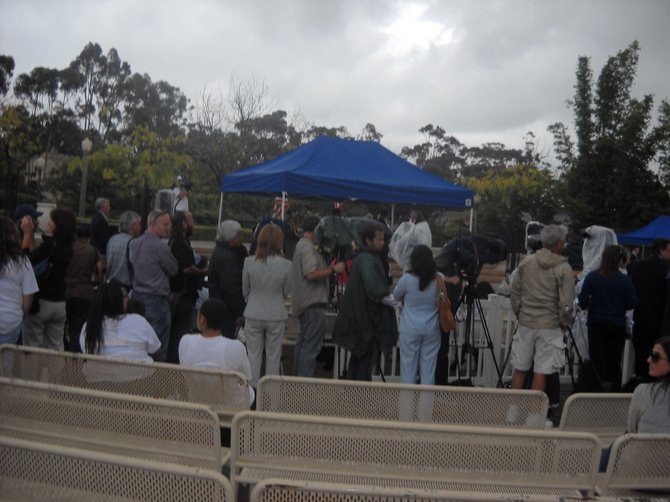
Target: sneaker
{"x":548,"y":424}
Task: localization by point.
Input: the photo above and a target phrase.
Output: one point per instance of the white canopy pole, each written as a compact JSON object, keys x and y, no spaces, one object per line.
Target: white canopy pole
{"x":392,"y":216}
{"x":283,"y":204}
{"x":220,"y":210}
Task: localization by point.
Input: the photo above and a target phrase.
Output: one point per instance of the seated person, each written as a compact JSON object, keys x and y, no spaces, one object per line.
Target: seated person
{"x":650,"y":407}
{"x":112,"y":332}
{"x":210,"y":349}
{"x":649,"y":410}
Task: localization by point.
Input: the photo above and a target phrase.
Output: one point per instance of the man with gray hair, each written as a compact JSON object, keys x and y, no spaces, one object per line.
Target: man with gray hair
{"x":225,"y":273}
{"x":100,"y":230}
{"x":542,"y":296}
{"x":153,"y":265}
{"x":130,"y":226}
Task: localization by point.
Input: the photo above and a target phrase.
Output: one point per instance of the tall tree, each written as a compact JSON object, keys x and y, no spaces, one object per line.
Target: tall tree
{"x":662,"y":137}
{"x":370,"y":133}
{"x":6,"y":72}
{"x":609,"y":178}
{"x":439,"y":154}
{"x":160,"y":107}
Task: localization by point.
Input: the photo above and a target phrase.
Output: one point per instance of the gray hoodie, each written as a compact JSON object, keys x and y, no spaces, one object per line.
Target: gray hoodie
{"x":543,"y":291}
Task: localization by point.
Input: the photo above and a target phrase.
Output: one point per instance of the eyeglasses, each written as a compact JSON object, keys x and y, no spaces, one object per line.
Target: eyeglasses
{"x":656,"y":357}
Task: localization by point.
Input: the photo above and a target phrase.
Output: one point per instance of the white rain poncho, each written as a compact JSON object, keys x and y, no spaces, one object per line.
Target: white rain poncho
{"x":406,"y":237}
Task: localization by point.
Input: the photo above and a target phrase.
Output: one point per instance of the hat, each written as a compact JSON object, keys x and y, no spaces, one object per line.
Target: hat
{"x":26,"y":210}
{"x":228,"y":230}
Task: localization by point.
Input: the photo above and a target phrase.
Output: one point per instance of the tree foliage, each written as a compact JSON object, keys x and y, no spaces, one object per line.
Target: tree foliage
{"x":609,"y":178}
{"x":6,"y":72}
{"x":511,"y":196}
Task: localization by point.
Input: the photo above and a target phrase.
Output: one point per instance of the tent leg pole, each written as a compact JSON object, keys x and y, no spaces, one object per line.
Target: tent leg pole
{"x":220,"y":210}
{"x":283,"y":204}
{"x":392,"y":216}
{"x":472,"y":212}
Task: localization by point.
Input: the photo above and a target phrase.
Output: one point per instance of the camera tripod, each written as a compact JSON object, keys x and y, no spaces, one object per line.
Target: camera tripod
{"x":469,"y":297}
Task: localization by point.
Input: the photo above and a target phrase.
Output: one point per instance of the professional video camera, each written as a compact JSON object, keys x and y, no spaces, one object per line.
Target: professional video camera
{"x":466,"y":255}
{"x":338,"y":237}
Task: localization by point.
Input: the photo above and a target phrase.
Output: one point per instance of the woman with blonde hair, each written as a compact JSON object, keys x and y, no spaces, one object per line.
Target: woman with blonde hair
{"x":266,"y":283}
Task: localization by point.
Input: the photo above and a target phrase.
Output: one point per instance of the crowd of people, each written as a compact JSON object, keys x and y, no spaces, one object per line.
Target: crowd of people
{"x":134,"y":294}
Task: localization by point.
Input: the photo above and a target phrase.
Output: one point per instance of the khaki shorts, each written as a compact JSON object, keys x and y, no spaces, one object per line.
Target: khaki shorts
{"x":541,"y":349}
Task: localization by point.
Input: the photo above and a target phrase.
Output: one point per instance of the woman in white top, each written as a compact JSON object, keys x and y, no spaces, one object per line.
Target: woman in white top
{"x":110,"y":332}
{"x":266,"y":283}
{"x":17,"y":282}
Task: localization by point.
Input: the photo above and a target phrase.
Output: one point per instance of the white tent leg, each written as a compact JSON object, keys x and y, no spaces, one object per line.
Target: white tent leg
{"x":472,"y":212}
{"x":283,"y":204}
{"x":220,"y":210}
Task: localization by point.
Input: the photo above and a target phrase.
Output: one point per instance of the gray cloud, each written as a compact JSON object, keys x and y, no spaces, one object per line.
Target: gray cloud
{"x":489,"y":70}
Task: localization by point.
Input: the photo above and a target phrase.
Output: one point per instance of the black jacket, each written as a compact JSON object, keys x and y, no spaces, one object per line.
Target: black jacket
{"x":225,"y":277}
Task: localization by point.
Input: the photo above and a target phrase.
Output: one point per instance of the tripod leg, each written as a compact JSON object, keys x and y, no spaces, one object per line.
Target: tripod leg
{"x":489,"y":342}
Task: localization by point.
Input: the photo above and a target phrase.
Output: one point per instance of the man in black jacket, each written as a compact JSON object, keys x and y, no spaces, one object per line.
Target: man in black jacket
{"x":649,"y":279}
{"x":100,"y":230}
{"x":185,"y":284}
{"x":364,"y":325}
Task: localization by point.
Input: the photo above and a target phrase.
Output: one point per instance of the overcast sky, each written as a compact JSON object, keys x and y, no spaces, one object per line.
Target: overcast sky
{"x":484,"y":70}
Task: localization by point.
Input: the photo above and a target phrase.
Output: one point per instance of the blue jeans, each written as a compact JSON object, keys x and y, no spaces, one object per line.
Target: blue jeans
{"x":157,"y":313}
{"x":11,"y":336}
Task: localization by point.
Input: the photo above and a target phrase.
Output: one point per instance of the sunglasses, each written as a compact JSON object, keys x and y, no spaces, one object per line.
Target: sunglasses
{"x":656,"y":357}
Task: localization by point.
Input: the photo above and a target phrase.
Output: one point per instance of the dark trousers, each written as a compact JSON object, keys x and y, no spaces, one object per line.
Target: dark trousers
{"x":76,"y":312}
{"x":360,"y":367}
{"x":182,"y":322}
{"x":442,"y":364}
{"x":606,"y":343}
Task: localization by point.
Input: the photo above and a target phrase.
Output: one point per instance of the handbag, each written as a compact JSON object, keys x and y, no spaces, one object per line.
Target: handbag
{"x":446,"y":316}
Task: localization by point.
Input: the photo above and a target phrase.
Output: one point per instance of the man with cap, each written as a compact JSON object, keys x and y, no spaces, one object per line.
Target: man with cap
{"x":225,"y":273}
{"x":309,"y":298}
{"x":27,"y":211}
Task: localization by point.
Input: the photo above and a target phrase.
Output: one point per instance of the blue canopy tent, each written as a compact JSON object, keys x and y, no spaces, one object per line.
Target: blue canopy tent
{"x":339,"y":169}
{"x":658,"y":228}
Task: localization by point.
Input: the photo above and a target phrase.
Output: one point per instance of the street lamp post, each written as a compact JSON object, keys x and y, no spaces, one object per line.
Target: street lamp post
{"x":86,"y":146}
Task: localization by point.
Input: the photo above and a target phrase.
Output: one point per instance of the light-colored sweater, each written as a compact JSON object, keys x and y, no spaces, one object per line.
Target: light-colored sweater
{"x":647,"y":414}
{"x":543,"y":291}
{"x":265,"y":286}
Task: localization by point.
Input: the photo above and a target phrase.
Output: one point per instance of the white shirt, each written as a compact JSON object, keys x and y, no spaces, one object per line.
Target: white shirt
{"x":17,"y":279}
{"x":127,"y":337}
{"x":217,"y":352}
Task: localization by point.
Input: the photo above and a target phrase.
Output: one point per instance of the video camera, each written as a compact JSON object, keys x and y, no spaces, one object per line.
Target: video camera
{"x":466,"y":255}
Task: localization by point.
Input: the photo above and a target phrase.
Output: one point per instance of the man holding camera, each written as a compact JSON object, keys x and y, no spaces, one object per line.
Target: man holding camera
{"x":542,"y":296}
{"x":309,"y":298}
